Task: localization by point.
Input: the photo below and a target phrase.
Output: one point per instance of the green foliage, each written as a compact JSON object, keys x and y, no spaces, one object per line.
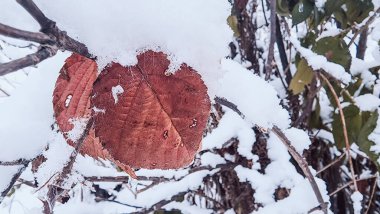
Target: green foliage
{"x":353,"y":119}
{"x":358,"y":10}
{"x":363,"y":142}
{"x":282,"y":7}
{"x":335,"y":50}
{"x":301,"y":11}
{"x":303,"y":77}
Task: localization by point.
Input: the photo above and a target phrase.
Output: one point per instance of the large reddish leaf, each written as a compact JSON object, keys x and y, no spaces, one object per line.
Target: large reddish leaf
{"x":71,"y":99}
{"x":146,"y":119}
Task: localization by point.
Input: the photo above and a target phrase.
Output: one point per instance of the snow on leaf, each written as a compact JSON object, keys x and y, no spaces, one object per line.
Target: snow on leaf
{"x":158,"y":120}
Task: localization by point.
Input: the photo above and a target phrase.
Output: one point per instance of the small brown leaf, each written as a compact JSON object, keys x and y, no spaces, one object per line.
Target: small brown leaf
{"x":71,"y":99}
{"x":150,"y":119}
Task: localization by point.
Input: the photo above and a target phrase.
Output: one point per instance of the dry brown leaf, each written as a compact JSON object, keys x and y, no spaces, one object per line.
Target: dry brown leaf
{"x":71,"y":99}
{"x":150,"y":120}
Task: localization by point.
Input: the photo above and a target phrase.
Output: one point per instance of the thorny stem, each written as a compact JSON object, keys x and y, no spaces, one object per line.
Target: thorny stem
{"x":345,"y":134}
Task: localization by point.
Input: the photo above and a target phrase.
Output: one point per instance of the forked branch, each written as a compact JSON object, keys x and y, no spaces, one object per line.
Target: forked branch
{"x":50,"y":37}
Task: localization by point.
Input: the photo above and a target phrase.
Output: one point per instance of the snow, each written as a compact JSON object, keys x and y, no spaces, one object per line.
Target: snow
{"x":186,"y":208}
{"x":298,"y":138}
{"x":26,"y":119}
{"x":367,"y":102}
{"x":193,"y":31}
{"x":255,"y":98}
{"x":116,"y":91}
{"x":79,"y":127}
{"x":320,"y":62}
{"x":357,"y":198}
{"x":320,"y":4}
{"x":7,"y":173}
{"x":281,"y":173}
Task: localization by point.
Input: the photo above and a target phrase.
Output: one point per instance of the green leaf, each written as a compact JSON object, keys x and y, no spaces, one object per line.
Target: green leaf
{"x":363,"y":142}
{"x":353,"y":119}
{"x":332,"y":6}
{"x":233,"y":23}
{"x":335,"y":50}
{"x":303,"y":77}
{"x":315,"y":120}
{"x":358,"y":10}
{"x":341,"y":17}
{"x":301,"y":11}
{"x":282,"y":7}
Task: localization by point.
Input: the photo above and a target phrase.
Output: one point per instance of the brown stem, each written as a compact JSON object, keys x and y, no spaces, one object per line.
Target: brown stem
{"x":14,"y":163}
{"x":49,"y":34}
{"x":299,"y":159}
{"x":12,"y":182}
{"x":55,"y":189}
{"x":273,"y":16}
{"x":25,"y":35}
{"x":303,"y":164}
{"x":29,"y":60}
{"x":345,"y":134}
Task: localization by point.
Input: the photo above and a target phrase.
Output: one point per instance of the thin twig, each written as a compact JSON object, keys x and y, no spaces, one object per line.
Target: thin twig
{"x":55,"y":188}
{"x":349,"y":184}
{"x":14,"y":163}
{"x":50,"y":37}
{"x":303,"y":164}
{"x":365,"y":26}
{"x":12,"y":182}
{"x":269,"y":63}
{"x":372,"y":193}
{"x":31,"y":59}
{"x":346,"y":141}
{"x":25,"y":35}
{"x":332,"y":163}
{"x":162,"y":203}
{"x":299,"y":159}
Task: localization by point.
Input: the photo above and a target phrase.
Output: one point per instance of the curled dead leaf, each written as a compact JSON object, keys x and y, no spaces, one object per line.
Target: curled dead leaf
{"x":71,"y":100}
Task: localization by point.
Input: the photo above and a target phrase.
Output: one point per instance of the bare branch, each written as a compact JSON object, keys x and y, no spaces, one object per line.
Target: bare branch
{"x":14,"y":163}
{"x":299,"y":159}
{"x":49,"y":34}
{"x":270,"y":59}
{"x":12,"y":182}
{"x":37,"y":14}
{"x":304,"y":166}
{"x":345,"y":134}
{"x":55,"y":189}
{"x":224,"y":102}
{"x":25,"y":35}
{"x":29,"y":60}
{"x":162,"y":203}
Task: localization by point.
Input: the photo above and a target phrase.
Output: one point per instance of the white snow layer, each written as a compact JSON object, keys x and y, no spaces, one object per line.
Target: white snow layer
{"x":26,"y":119}
{"x":190,"y":31}
{"x":254,"y":97}
{"x":320,"y":62}
{"x":357,"y":198}
{"x":367,"y":102}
